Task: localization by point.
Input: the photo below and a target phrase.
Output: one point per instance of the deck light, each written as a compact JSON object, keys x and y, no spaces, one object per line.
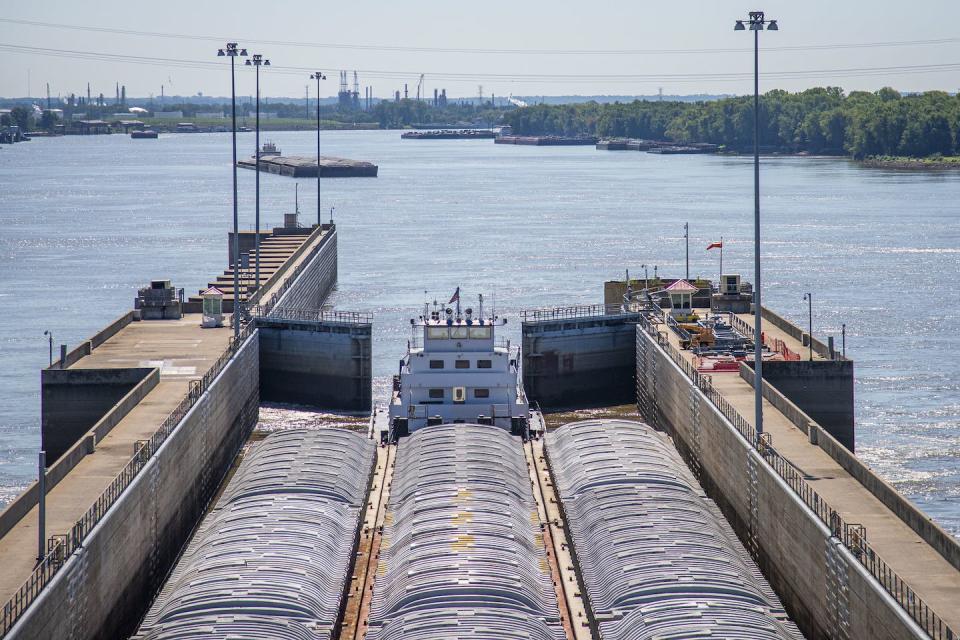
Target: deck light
{"x":757,"y":21}
{"x":318,"y":76}
{"x":257,"y":61}
{"x":232,"y":52}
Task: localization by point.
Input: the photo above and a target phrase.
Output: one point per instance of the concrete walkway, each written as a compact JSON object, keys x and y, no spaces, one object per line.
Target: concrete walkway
{"x":182,"y":351}
{"x":934,"y":579}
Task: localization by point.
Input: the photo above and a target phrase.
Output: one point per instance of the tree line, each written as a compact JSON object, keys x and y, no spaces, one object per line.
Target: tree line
{"x":822,"y":120}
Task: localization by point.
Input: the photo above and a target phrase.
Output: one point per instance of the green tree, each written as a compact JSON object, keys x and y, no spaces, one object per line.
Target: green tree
{"x":48,"y":120}
{"x":21,"y":117}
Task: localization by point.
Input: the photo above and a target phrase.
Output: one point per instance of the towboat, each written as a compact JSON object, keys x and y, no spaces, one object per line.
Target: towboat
{"x":457,"y":371}
{"x":269,"y":149}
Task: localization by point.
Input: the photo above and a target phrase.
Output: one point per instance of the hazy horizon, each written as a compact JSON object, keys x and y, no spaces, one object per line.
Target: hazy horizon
{"x":529,"y":49}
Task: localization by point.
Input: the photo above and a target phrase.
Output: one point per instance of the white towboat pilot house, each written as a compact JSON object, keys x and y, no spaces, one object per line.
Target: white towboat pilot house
{"x":456,"y":371}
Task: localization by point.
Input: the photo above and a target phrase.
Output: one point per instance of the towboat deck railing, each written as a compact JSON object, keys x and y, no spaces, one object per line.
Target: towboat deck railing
{"x":416,"y":342}
{"x":852,"y":536}
{"x":60,"y":547}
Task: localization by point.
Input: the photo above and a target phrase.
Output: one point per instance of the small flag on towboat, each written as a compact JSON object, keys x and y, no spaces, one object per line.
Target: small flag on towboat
{"x":455,"y":297}
{"x":715,"y":245}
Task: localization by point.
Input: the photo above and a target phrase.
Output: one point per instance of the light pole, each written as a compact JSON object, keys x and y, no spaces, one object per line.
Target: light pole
{"x":50,"y":340}
{"x":809,"y":298}
{"x":757,"y":22}
{"x":232,"y":52}
{"x":257,"y":61}
{"x":318,"y":76}
{"x":843,"y":338}
{"x":686,"y":237}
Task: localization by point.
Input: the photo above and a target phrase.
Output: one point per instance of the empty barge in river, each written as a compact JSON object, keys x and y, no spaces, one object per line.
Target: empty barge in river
{"x":306,"y":166}
{"x":450,"y":134}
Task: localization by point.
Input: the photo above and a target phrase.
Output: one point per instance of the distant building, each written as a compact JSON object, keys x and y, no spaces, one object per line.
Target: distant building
{"x":168,"y":115}
{"x":212,"y":115}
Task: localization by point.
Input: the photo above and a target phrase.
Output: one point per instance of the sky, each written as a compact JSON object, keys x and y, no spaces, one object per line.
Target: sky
{"x":534,"y":47}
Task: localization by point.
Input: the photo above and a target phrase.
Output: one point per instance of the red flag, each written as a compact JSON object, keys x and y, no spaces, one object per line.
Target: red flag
{"x":715,"y":245}
{"x":455,"y":297}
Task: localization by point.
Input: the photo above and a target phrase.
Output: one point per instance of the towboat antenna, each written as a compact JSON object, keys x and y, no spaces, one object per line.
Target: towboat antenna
{"x":481,"y":308}
{"x":459,"y":318}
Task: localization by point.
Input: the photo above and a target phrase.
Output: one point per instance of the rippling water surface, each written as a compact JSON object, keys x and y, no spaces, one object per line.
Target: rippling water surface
{"x":84,"y":221}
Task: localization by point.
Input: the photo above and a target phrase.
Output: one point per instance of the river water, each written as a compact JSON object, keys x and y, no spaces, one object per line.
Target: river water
{"x":84,"y":221}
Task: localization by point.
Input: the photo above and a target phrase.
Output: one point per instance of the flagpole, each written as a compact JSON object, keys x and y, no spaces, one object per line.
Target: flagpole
{"x":721,"y":266}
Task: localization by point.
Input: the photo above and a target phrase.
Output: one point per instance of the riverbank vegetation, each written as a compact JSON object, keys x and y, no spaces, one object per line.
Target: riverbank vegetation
{"x":823,"y":121}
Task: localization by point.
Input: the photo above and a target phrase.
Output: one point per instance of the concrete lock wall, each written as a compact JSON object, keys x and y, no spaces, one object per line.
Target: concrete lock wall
{"x":580,"y":361}
{"x":73,"y":400}
{"x":313,"y":285}
{"x":823,"y":587}
{"x":823,"y":389}
{"x":106,"y":586}
{"x":325,"y":364}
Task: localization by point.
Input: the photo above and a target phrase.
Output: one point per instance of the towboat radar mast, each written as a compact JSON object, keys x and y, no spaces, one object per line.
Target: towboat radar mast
{"x":456,"y":371}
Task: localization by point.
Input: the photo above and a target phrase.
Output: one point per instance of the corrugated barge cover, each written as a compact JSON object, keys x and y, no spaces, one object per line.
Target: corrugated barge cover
{"x":462,"y":552}
{"x":271,"y":560}
{"x":657,"y":556}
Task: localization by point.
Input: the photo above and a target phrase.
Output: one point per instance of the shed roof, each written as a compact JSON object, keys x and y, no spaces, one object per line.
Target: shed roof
{"x":681,"y":286}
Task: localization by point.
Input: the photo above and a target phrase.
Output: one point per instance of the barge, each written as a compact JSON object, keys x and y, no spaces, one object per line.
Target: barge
{"x":450,"y":134}
{"x":307,"y":166}
{"x":547,"y":141}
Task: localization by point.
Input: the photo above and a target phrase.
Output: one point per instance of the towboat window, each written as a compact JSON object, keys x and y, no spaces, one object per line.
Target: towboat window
{"x":458,"y":333}
{"x":480,"y":333}
{"x":436,"y":393}
{"x":463,"y":364}
{"x":437,"y":333}
{"x":481,"y":393}
{"x":436,"y":364}
{"x":484,"y":364}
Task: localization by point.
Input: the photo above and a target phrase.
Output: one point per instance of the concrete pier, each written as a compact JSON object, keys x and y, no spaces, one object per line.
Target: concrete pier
{"x":134,"y":476}
{"x":845,"y":552}
{"x":577,"y":356}
{"x":321,"y":359}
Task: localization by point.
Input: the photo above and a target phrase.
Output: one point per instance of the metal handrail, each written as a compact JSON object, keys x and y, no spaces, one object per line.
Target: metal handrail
{"x":853,"y":536}
{"x":60,"y":547}
{"x":313,"y":315}
{"x":577,"y":311}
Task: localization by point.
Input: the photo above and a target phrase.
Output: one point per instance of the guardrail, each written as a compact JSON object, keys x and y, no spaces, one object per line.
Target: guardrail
{"x":853,"y":536}
{"x":60,"y":547}
{"x":565,"y":313}
{"x":313,"y":315}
